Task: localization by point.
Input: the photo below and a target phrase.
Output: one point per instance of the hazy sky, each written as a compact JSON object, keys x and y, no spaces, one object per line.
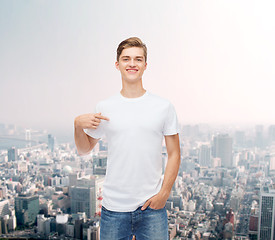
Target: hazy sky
{"x":213,"y":59}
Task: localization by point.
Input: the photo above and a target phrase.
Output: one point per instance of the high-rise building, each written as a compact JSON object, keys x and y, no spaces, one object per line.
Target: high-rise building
{"x":4,"y":208}
{"x":222,"y":148}
{"x":204,"y":156}
{"x":51,"y":142}
{"x":271,"y":134}
{"x":267,"y":214}
{"x":259,"y":136}
{"x":12,"y":154}
{"x":26,"y":209}
{"x":28,"y":137}
{"x":86,"y":196}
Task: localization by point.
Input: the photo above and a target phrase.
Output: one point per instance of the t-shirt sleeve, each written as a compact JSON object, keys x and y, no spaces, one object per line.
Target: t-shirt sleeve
{"x":171,"y":125}
{"x":96,"y":133}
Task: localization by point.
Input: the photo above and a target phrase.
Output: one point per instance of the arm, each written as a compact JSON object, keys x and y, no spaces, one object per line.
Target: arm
{"x":171,"y":171}
{"x":83,"y":142}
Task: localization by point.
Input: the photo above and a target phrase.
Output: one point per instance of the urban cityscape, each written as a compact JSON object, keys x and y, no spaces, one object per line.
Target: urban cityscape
{"x":224,"y":190}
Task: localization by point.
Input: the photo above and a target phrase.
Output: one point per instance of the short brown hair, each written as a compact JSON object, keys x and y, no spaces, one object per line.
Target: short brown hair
{"x":131,"y":42}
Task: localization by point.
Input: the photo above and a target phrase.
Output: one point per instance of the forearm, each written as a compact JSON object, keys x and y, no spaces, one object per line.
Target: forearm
{"x":170,"y":174}
{"x":81,"y":141}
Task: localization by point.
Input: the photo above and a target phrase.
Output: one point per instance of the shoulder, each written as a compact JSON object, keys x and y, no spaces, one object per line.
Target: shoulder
{"x":108,"y":101}
{"x":160,"y":100}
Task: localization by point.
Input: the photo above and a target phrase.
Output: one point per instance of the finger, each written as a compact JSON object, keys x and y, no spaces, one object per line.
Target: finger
{"x":145,"y":205}
{"x":95,"y":119}
{"x":95,"y":123}
{"x":98,"y":115}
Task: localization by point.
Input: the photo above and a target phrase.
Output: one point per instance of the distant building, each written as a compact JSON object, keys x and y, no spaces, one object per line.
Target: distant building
{"x":12,"y":154}
{"x":259,"y":136}
{"x":271,"y":134}
{"x":3,"y":192}
{"x":4,"y":208}
{"x":253,"y":223}
{"x":222,"y":148}
{"x":267,"y":214}
{"x":28,"y":137}
{"x":205,"y":156}
{"x":86,"y":196}
{"x":26,"y":209}
{"x":230,"y":218}
{"x":51,"y":141}
{"x":72,"y":179}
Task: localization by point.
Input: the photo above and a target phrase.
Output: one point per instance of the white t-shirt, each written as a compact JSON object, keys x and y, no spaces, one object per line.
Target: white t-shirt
{"x":134,"y":135}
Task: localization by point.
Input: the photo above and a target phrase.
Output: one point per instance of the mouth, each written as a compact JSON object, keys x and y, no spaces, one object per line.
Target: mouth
{"x":131,"y":70}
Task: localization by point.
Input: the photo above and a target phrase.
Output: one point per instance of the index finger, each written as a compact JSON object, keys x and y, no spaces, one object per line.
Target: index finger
{"x":101,"y":117}
{"x":145,"y":205}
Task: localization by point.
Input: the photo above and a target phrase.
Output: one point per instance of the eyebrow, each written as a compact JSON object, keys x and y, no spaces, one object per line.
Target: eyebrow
{"x":130,"y":57}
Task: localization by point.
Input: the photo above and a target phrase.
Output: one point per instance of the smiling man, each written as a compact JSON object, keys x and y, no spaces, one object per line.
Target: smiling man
{"x":134,"y":122}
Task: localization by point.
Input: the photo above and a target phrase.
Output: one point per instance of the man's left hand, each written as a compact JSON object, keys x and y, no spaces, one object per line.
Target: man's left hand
{"x":158,"y":201}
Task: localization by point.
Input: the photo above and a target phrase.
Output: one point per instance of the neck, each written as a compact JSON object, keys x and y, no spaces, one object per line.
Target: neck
{"x":132,"y":90}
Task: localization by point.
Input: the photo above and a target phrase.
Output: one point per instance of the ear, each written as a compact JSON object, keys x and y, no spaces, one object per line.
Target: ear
{"x":145,"y":65}
{"x":117,"y":65}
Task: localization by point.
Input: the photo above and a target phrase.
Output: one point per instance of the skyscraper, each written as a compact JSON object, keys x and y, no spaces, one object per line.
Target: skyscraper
{"x":12,"y":154}
{"x":222,"y":148}
{"x":86,"y":196}
{"x":271,"y":134}
{"x":204,"y":156}
{"x":259,"y":136}
{"x":26,"y":209}
{"x":51,"y":142}
{"x":266,"y":217}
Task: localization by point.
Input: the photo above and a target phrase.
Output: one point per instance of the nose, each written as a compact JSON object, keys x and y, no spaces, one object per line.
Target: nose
{"x":132,"y":63}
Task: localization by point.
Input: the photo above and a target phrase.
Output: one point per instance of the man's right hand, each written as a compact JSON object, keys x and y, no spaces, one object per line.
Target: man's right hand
{"x":90,"y":120}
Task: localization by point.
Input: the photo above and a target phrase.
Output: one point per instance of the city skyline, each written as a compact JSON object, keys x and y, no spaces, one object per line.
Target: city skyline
{"x":219,"y":191}
{"x":212,"y":60}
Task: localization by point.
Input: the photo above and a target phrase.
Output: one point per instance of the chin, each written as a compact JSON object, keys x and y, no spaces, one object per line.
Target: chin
{"x":132,"y":80}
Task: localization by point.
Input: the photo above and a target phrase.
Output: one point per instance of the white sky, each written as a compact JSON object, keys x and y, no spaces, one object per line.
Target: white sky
{"x":213,"y":59}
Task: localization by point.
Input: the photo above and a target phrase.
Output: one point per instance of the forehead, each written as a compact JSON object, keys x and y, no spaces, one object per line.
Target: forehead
{"x":132,"y":52}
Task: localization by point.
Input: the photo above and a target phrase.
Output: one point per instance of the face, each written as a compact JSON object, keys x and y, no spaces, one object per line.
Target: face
{"x":131,"y":64}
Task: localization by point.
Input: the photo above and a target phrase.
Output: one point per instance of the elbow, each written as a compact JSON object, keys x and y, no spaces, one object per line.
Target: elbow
{"x":83,"y":153}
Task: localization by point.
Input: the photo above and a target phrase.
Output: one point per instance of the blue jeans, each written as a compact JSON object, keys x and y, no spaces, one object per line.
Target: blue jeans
{"x":149,"y":224}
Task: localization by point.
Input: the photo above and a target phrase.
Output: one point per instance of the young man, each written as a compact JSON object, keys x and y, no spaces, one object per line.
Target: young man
{"x":134,"y":122}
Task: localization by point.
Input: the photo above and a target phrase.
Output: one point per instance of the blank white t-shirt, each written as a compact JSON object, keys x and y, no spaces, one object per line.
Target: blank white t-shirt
{"x":134,"y":135}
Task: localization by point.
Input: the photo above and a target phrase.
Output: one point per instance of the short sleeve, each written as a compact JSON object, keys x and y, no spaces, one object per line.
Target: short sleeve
{"x":171,"y":125}
{"x":96,"y":133}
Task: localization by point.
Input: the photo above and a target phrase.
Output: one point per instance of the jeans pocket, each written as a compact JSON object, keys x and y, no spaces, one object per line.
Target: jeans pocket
{"x":154,"y":208}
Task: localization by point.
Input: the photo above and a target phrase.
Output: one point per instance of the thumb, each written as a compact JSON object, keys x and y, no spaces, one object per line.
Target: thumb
{"x":145,"y":205}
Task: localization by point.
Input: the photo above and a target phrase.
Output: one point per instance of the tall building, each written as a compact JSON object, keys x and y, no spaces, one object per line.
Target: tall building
{"x":4,"y":208}
{"x":271,"y":134}
{"x":267,"y":214}
{"x":26,"y":209}
{"x":204,"y":156}
{"x":12,"y":154}
{"x":259,"y":136}
{"x":28,"y":137}
{"x":222,"y":148}
{"x":86,"y":196}
{"x":51,"y":142}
